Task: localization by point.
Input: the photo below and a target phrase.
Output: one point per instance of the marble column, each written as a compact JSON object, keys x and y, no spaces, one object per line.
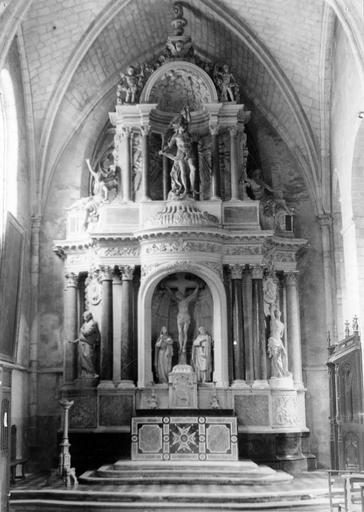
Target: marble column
{"x":237,"y":322}
{"x":260,"y":351}
{"x":145,"y":129}
{"x":215,"y":177}
{"x":234,"y":164}
{"x":106,"y":349}
{"x":126,"y":352}
{"x":117,"y":325}
{"x":125,"y":136}
{"x":293,"y":328}
{"x":248,"y":323}
{"x":70,"y":327}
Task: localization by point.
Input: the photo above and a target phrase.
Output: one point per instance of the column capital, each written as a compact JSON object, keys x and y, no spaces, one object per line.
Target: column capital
{"x":257,"y":272}
{"x":291,"y":278}
{"x":233,"y":130}
{"x":145,"y":129}
{"x":66,"y":404}
{"x":236,"y":271}
{"x":71,"y":280}
{"x":106,"y":272}
{"x":214,"y":129}
{"x":124,"y":132}
{"x":127,"y":272}
{"x":324,"y":219}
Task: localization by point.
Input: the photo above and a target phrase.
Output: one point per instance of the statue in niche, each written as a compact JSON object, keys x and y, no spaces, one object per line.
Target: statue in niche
{"x":163,"y":355}
{"x":183,"y":173}
{"x":272,"y":203}
{"x":276,"y":349}
{"x":183,"y":300}
{"x":202,"y":355}
{"x":88,"y":343}
{"x":106,"y":179}
{"x":227,"y":86}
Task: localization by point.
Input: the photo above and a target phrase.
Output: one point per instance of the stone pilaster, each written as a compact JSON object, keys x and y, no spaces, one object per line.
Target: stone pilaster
{"x":126,"y":352}
{"x":325,"y":222}
{"x":215,"y":178}
{"x":145,"y":129}
{"x":106,"y":349}
{"x":293,"y":328}
{"x":248,"y":323}
{"x":236,"y":272}
{"x":70,"y":327}
{"x":234,"y":164}
{"x":259,"y":342}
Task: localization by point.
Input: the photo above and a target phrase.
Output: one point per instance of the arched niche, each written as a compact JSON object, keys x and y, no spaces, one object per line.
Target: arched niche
{"x":165,"y":309}
{"x":218,"y":328}
{"x":177,"y":84}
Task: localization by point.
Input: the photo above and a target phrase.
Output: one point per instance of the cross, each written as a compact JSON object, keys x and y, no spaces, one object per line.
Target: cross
{"x":182,"y":283}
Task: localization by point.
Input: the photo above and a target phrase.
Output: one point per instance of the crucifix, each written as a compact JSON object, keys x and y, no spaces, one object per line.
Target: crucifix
{"x":183,"y":299}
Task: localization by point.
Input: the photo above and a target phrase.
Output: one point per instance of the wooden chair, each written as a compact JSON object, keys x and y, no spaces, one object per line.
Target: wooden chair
{"x":346,"y":491}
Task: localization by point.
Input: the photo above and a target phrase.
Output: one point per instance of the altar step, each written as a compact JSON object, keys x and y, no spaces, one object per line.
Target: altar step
{"x":307,"y":493}
{"x":175,"y":472}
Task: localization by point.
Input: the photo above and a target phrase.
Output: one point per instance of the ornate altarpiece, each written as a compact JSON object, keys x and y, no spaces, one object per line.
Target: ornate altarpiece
{"x":141,"y":230}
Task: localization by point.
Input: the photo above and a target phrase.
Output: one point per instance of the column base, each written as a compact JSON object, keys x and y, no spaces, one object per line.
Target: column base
{"x":281,"y":382}
{"x":260,"y":384}
{"x":106,"y":384}
{"x":241,"y":384}
{"x":124,"y":384}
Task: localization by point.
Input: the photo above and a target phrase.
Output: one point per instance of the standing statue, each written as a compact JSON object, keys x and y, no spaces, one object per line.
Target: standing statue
{"x":163,"y":355}
{"x":183,"y":316}
{"x":131,"y":83}
{"x":227,"y":85}
{"x":202,"y":355}
{"x":276,"y":349}
{"x":88,"y":342}
{"x":183,"y":174}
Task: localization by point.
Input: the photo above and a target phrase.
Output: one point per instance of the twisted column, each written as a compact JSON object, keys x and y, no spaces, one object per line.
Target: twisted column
{"x":293,"y":328}
{"x":126,"y":348}
{"x":70,"y":327}
{"x":106,"y":349}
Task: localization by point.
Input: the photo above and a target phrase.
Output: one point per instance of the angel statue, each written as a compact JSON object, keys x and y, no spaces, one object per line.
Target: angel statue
{"x":183,"y":174}
{"x":272,"y":203}
{"x":106,"y":179}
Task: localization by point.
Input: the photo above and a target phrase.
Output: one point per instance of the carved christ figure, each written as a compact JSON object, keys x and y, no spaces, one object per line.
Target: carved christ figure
{"x":183,"y":316}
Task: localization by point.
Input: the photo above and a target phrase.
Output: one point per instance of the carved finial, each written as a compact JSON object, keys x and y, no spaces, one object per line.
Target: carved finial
{"x":347,"y":329}
{"x":355,"y":325}
{"x":178,"y":21}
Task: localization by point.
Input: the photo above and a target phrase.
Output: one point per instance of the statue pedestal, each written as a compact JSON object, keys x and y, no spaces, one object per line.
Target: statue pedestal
{"x":183,"y":387}
{"x":281,"y":382}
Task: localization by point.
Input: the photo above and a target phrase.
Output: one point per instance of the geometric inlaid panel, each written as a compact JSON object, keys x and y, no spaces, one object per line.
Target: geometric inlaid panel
{"x":184,"y":438}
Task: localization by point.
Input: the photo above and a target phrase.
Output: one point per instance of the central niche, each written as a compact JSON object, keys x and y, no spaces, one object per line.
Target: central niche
{"x":182,"y":303}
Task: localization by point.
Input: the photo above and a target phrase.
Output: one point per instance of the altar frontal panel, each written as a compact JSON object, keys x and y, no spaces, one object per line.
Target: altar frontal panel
{"x":184,"y":438}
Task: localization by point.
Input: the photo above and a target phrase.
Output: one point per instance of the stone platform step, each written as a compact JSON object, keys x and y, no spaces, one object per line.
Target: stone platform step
{"x":307,"y":493}
{"x":220,"y":473}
